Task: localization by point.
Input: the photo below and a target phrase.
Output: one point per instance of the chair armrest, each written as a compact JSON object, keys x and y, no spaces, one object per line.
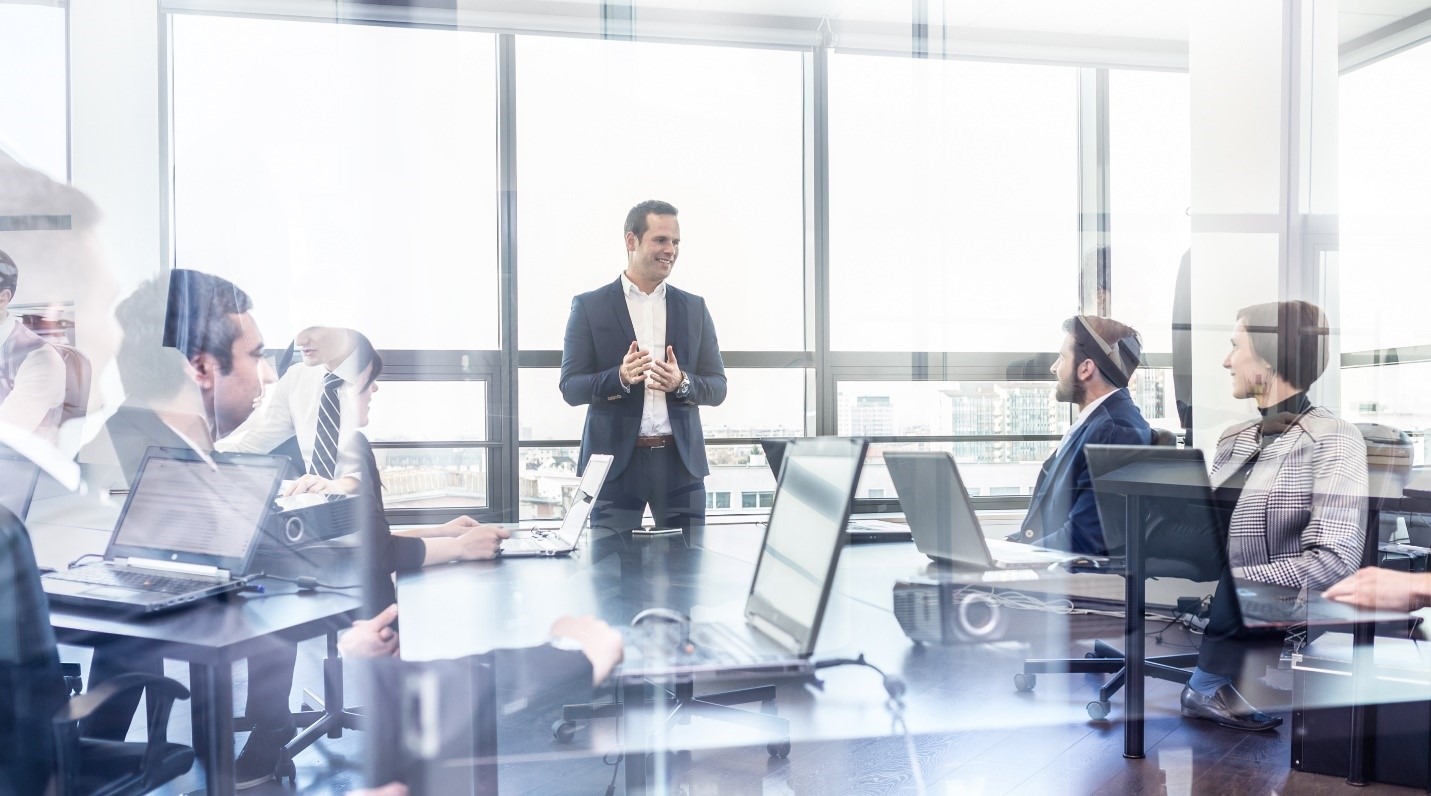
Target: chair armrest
{"x":82,"y":706}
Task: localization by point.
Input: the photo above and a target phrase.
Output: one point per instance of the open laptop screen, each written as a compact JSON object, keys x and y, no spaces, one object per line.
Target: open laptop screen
{"x":803,"y":537}
{"x":186,"y":509}
{"x":595,"y":475}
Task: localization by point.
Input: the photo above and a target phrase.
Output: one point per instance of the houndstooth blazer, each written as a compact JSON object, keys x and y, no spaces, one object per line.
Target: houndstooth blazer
{"x":1301,"y":518}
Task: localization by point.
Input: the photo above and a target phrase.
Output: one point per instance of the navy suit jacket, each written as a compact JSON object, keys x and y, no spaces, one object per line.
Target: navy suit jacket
{"x":598,"y":334}
{"x":1062,"y":514}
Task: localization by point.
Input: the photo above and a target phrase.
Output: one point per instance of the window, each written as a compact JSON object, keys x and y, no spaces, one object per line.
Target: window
{"x":972,"y":193}
{"x":1150,"y":191}
{"x":341,"y":174}
{"x":716,"y":131}
{"x":717,"y":500}
{"x":756,"y":500}
{"x":33,"y":97}
{"x":876,"y":493}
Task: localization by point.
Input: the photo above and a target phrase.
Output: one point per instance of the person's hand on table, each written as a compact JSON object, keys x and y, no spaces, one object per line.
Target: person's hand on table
{"x":390,"y":789}
{"x":310,"y":483}
{"x":371,"y":638}
{"x":1384,"y":589}
{"x":600,"y":644}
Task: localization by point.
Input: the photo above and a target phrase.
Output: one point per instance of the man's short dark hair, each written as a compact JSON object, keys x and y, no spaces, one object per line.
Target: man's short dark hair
{"x":200,"y":319}
{"x":9,"y":273}
{"x":636,"y":219}
{"x":1125,"y":341}
{"x":1291,"y":336}
{"x":148,"y":370}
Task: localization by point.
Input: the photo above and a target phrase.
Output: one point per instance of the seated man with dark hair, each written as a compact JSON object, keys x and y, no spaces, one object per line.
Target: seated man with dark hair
{"x":1094,"y":366}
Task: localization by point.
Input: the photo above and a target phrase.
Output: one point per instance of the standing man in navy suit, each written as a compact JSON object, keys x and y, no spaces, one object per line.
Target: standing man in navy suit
{"x":643,"y":356}
{"x":1098,"y":358}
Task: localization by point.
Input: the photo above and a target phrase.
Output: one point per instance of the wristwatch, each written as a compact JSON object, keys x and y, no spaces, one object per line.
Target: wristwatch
{"x":685,"y":388}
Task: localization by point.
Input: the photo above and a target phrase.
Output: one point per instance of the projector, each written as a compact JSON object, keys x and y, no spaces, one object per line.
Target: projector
{"x":933,"y":612}
{"x":304,"y":519}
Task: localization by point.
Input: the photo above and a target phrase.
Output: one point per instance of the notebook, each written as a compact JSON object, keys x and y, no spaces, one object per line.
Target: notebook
{"x":561,"y":541}
{"x":18,"y":476}
{"x":792,"y":580}
{"x":857,"y":531}
{"x":943,"y":521}
{"x":187,"y":531}
{"x":1180,"y":520}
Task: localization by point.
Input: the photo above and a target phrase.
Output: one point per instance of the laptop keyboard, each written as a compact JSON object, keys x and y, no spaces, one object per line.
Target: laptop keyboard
{"x":130,"y":579}
{"x":712,"y":644}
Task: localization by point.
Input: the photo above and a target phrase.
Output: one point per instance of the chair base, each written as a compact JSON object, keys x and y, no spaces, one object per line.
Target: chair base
{"x":1107,"y":659}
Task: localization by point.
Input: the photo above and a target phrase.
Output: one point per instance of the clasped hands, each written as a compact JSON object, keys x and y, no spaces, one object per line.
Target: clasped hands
{"x":639,"y":366}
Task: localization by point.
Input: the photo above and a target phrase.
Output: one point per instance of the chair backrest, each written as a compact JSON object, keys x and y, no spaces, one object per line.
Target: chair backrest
{"x":77,"y":382}
{"x":32,"y":686}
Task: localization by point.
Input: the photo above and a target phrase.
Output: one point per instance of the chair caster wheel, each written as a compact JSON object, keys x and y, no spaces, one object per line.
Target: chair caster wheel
{"x":1099,"y":710}
{"x":563,"y":731}
{"x":286,"y":770}
{"x":779,"y":749}
{"x":1025,"y":682}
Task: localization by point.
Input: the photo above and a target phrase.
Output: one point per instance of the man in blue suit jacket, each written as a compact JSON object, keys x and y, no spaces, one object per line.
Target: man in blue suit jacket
{"x":1098,"y":358}
{"x":643,"y":356}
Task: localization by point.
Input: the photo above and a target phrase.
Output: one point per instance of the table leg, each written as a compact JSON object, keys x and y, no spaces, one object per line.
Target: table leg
{"x":1135,"y":644}
{"x":212,"y":711}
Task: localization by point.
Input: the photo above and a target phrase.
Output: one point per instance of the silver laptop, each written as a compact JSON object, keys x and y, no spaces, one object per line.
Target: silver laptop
{"x":856,"y":531}
{"x":792,"y":581}
{"x":941,"y":517}
{"x":18,"y":476}
{"x":187,"y":531}
{"x":1179,"y":519}
{"x":561,"y":541}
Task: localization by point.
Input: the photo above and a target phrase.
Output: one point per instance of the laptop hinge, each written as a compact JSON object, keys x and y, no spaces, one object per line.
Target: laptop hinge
{"x":200,"y":570}
{"x":780,"y":637}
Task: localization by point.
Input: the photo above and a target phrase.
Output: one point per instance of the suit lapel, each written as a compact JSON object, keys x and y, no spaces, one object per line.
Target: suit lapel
{"x":675,"y":325}
{"x":617,"y":299}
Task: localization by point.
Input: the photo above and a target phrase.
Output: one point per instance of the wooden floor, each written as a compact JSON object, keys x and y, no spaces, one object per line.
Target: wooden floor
{"x":1015,"y":743}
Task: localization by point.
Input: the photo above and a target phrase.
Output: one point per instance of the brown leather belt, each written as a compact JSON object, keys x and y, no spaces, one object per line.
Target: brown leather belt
{"x":656,"y":442}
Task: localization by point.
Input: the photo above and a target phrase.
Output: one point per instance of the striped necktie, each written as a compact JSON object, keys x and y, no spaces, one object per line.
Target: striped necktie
{"x":325,"y":445}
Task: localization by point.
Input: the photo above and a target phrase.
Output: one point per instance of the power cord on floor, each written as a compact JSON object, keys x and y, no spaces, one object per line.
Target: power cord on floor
{"x":895,"y":688}
{"x":615,"y":767}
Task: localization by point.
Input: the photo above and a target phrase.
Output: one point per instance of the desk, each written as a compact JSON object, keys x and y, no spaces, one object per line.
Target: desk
{"x":210,"y":637}
{"x":472,"y":607}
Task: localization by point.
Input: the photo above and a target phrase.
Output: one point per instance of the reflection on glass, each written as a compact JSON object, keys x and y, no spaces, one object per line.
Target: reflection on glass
{"x":416,"y":478}
{"x":33,"y":116}
{"x":341,"y":174}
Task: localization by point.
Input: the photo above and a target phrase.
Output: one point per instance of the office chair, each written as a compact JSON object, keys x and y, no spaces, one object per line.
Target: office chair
{"x":1107,"y":659}
{"x":39,"y":721}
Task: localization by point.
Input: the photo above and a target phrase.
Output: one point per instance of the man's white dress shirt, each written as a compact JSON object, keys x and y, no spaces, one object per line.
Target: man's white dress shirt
{"x":648,"y":318}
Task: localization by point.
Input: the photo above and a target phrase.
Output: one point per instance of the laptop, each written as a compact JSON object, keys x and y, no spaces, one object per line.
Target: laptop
{"x":856,"y":531}
{"x":187,"y":531}
{"x":562,"y":541}
{"x":943,"y":521}
{"x":18,"y":477}
{"x":791,"y":585}
{"x":1181,"y":520}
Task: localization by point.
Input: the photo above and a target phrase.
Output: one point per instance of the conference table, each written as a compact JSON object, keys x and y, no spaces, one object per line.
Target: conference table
{"x":469,"y":608}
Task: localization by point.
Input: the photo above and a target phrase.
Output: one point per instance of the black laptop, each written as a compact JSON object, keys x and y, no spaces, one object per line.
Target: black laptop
{"x":792,"y":581}
{"x":188,"y":530}
{"x":1181,"y":521}
{"x":856,"y":531}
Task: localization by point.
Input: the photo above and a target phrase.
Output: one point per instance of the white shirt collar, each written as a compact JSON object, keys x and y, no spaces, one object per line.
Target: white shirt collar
{"x":628,"y":287}
{"x":347,"y":370}
{"x":1092,"y":405}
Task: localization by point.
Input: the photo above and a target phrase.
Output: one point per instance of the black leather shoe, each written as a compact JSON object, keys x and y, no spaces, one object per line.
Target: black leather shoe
{"x":258,"y":761}
{"x":1228,"y":708}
